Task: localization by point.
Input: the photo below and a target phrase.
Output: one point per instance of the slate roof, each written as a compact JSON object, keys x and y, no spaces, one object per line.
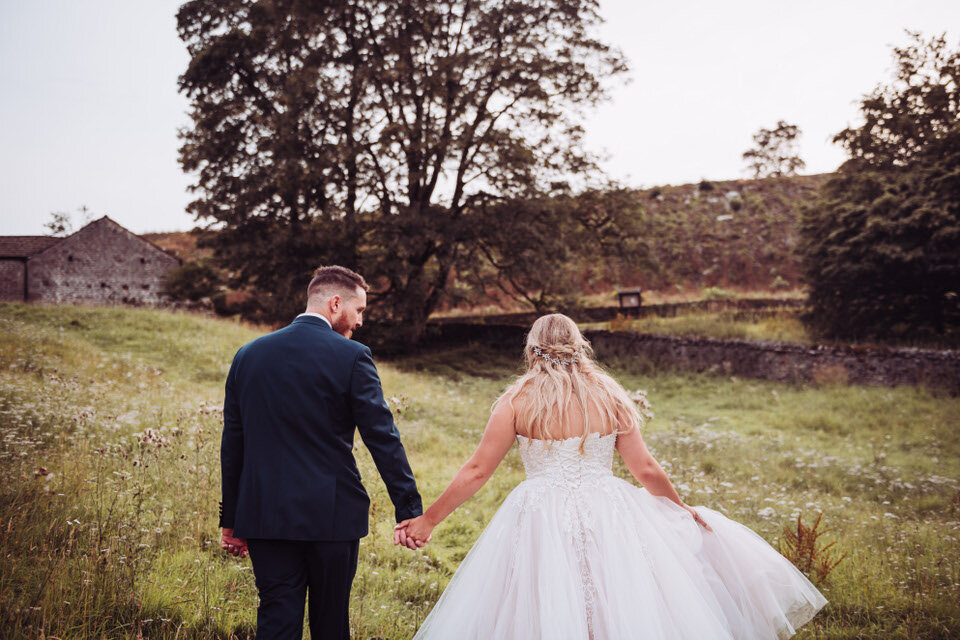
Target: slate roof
{"x":25,"y":246}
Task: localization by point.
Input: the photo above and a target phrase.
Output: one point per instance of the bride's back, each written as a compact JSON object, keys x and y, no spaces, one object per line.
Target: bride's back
{"x":564,"y":393}
{"x":570,"y":422}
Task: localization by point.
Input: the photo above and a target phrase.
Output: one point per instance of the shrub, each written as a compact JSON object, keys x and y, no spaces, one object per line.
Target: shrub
{"x":800,"y":547}
{"x":193,"y":281}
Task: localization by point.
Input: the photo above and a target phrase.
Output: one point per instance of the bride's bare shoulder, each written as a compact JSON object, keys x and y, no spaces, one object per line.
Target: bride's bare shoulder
{"x":516,"y":397}
{"x":511,"y":392}
{"x":512,"y":401}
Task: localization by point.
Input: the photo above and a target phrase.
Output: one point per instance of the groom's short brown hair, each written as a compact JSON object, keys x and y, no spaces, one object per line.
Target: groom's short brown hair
{"x":334,"y":278}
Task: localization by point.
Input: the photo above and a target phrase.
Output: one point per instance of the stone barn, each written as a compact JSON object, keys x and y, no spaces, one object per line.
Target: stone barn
{"x":102,"y":262}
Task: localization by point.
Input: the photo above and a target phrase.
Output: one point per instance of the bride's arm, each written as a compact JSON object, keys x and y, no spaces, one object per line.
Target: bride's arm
{"x":648,"y":472}
{"x":498,"y":437}
{"x":642,"y":465}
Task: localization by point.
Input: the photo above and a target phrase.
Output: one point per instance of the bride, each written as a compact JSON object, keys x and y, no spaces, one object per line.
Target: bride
{"x":577,"y":553}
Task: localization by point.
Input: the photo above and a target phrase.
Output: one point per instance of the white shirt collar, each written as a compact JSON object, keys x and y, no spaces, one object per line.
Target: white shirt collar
{"x":316,"y":315}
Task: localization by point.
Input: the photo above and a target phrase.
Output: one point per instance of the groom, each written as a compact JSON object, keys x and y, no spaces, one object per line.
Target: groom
{"x":292,"y":495}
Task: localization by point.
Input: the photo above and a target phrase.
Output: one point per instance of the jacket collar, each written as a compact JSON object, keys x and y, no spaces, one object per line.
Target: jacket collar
{"x":311,"y":320}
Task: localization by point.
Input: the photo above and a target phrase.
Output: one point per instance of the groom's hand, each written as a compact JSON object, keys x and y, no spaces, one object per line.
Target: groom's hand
{"x":413,"y":533}
{"x":400,"y":536}
{"x":235,"y":546}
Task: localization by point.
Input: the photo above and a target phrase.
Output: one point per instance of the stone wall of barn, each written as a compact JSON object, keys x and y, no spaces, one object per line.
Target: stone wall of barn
{"x":11,"y":279}
{"x":103,"y":263}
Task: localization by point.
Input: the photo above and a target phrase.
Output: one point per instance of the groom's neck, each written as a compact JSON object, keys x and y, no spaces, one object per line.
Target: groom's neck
{"x":323,"y":313}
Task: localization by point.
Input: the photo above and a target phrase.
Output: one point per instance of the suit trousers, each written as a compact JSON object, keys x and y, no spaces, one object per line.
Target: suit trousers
{"x":284,"y":570}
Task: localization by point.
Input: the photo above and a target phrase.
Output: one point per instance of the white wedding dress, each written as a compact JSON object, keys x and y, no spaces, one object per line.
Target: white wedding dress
{"x":576,"y":553}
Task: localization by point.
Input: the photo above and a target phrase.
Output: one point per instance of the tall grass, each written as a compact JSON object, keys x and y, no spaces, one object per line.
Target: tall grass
{"x":109,"y":480}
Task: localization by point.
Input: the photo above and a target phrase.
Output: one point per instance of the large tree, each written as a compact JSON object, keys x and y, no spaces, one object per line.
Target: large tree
{"x":882,"y":244}
{"x":373,"y":133}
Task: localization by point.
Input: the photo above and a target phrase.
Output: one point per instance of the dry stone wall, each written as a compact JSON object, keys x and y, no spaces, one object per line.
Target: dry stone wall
{"x":665,"y":310}
{"x":764,"y":360}
{"x":787,"y":362}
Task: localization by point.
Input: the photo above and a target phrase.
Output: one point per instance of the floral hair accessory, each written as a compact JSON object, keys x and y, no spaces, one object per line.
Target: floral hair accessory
{"x":546,"y":356}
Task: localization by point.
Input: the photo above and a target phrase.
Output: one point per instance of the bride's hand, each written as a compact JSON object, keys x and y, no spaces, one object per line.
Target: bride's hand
{"x":400,"y":536}
{"x":418,"y":529}
{"x":697,"y":518}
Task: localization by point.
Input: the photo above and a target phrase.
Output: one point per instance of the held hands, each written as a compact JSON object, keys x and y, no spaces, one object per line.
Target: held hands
{"x":413,"y":533}
{"x":235,"y":546}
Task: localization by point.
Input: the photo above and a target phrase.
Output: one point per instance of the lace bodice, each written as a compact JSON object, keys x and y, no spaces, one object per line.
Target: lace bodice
{"x":560,"y":463}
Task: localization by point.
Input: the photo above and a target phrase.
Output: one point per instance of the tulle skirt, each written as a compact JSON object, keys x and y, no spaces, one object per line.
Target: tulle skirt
{"x":612,"y":561}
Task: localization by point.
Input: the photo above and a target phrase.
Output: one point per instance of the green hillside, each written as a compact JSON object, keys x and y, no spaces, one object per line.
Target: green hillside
{"x":109,"y":480}
{"x":740,"y":233}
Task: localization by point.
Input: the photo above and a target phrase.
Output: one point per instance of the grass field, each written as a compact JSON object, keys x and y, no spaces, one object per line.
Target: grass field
{"x":109,"y":480}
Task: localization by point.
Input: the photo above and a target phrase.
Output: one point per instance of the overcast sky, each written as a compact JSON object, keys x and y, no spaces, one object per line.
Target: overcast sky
{"x":89,"y":107}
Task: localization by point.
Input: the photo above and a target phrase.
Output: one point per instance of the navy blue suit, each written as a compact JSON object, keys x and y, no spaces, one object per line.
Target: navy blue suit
{"x":291,"y":486}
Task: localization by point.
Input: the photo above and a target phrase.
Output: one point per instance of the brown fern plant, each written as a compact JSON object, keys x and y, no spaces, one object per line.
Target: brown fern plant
{"x":799,"y":546}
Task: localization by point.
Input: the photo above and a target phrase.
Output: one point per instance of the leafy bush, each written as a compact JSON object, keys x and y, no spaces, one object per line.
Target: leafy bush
{"x":193,"y":281}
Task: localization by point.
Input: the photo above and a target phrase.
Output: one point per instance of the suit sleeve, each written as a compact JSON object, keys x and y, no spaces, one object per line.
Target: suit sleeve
{"x":375,"y":424}
{"x":231,"y":449}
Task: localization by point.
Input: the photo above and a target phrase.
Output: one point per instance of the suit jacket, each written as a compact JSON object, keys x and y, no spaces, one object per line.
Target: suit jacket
{"x":293,"y":400}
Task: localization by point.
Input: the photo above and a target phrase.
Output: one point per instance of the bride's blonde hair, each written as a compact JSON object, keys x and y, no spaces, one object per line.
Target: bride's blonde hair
{"x":561,"y":371}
